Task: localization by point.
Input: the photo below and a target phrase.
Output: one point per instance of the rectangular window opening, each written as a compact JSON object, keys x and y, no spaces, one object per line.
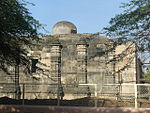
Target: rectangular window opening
{"x":35,"y":66}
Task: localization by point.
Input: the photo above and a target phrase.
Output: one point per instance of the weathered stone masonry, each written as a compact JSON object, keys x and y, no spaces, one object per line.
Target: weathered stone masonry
{"x":70,"y":58}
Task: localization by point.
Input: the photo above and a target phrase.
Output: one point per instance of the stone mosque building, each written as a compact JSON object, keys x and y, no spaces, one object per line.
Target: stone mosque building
{"x":68,"y":57}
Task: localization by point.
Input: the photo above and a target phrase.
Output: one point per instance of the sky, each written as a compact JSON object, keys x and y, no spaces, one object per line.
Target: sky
{"x":89,"y":16}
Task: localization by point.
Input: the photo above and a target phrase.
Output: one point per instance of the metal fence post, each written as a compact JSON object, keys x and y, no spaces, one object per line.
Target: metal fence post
{"x":23,"y":91}
{"x":58,"y":95}
{"x":95,"y":95}
{"x":135,"y":88}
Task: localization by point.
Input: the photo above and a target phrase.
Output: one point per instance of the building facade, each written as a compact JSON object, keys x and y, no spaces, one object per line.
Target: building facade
{"x":67,"y":57}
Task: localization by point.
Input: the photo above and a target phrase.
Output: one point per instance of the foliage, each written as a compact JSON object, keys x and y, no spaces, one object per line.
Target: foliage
{"x":133,"y":24}
{"x":16,"y":26}
{"x":147,"y":75}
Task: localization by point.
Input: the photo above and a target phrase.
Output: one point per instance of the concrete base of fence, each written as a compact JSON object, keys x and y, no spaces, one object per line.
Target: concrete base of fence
{"x":51,"y":109}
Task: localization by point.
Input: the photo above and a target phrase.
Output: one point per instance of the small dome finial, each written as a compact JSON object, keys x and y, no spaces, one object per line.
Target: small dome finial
{"x":64,"y":27}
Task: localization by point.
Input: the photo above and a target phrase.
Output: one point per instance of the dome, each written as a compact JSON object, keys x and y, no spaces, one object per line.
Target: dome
{"x":64,"y":27}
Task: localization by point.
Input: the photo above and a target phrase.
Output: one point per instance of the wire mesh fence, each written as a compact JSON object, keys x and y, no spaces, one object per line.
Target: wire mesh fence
{"x":143,"y":95}
{"x":49,"y":94}
{"x":126,"y":95}
{"x":109,"y":95}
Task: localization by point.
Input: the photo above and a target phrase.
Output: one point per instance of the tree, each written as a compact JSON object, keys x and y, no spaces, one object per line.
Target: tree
{"x":132,"y":25}
{"x":147,"y":75}
{"x":17,"y":28}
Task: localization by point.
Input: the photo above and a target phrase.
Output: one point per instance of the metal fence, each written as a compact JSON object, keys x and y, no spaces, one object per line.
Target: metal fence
{"x":93,"y":95}
{"x":126,"y":95}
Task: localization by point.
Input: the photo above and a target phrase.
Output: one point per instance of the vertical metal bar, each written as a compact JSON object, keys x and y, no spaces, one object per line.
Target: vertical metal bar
{"x":17,"y":87}
{"x":85,"y":60}
{"x":58,"y":96}
{"x":114,"y":64}
{"x":95,"y":95}
{"x":23,"y":91}
{"x":135,"y":87}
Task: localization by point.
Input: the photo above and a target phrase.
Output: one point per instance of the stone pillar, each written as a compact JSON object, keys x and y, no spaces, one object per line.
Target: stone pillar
{"x":82,"y":47}
{"x":56,"y":67}
{"x":56,"y":62}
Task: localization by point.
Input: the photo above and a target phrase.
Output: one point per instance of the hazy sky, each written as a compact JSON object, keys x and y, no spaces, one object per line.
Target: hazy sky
{"x":89,"y":16}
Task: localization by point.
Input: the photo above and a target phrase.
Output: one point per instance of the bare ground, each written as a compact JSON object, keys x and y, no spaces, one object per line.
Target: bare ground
{"x":143,"y":103}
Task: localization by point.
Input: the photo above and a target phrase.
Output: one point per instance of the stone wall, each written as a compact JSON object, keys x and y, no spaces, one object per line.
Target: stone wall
{"x":75,"y":59}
